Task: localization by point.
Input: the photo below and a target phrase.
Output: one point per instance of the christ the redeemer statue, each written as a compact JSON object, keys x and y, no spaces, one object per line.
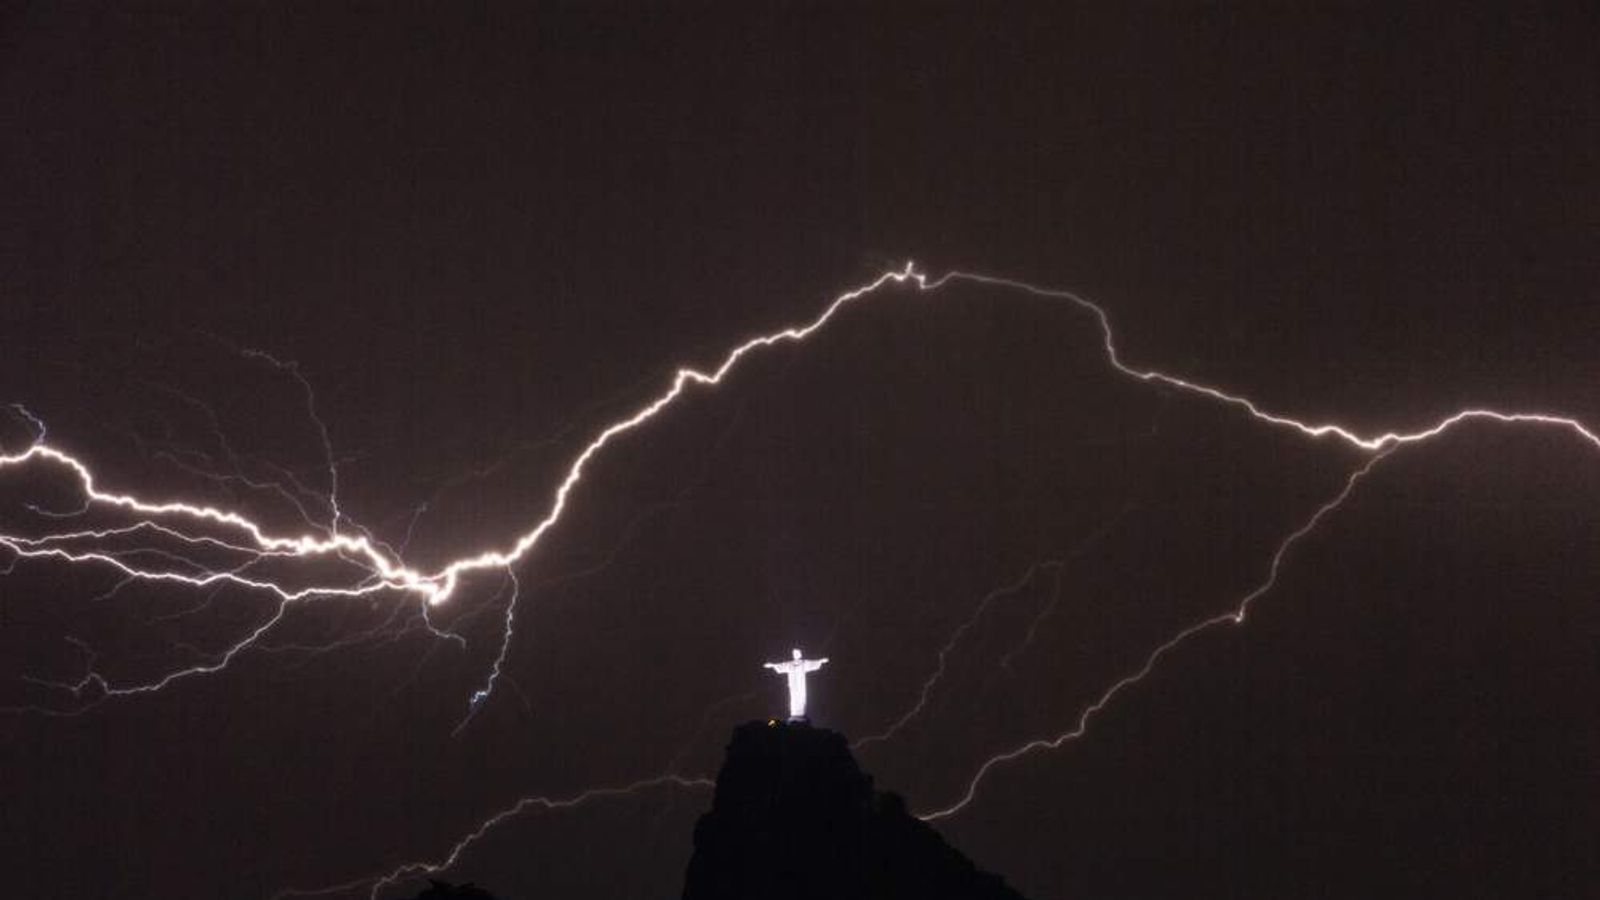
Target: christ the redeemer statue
{"x":796,"y":669}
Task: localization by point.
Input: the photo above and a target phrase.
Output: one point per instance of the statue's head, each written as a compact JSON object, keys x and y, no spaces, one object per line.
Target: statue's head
{"x":797,"y":653}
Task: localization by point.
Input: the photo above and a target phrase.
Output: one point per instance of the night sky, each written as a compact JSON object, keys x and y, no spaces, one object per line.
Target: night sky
{"x":464,"y":240}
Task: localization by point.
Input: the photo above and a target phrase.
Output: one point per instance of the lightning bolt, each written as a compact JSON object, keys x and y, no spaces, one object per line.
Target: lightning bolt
{"x":376,"y":883}
{"x":1234,"y":616}
{"x":382,"y":569}
{"x":1052,"y":566}
{"x":376,"y":568}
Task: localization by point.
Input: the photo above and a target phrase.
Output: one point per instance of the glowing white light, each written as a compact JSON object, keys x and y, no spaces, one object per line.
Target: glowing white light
{"x":796,"y":670}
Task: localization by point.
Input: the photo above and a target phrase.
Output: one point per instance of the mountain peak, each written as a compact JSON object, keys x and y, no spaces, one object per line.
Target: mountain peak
{"x":795,"y":817}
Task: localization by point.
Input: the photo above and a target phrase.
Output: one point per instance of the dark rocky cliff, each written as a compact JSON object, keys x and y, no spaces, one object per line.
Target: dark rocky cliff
{"x":795,"y":817}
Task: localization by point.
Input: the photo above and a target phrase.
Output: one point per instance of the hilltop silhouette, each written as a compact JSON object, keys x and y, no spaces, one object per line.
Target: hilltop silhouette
{"x":795,"y":817}
{"x":439,"y":890}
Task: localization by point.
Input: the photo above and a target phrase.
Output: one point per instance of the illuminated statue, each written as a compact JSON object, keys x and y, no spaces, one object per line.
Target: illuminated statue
{"x":796,"y":669}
